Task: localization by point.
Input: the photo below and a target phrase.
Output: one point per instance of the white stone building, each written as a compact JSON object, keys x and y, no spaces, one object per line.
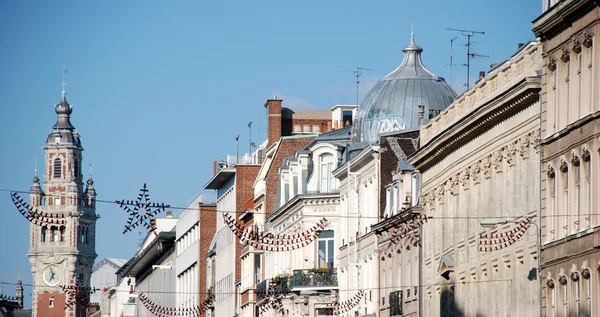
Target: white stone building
{"x":104,"y":275}
{"x":307,"y":193}
{"x":480,"y":164}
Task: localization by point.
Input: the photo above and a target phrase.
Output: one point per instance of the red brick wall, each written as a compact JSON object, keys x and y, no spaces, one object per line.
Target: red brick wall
{"x":245,"y":175}
{"x":43,"y":305}
{"x":286,"y":148}
{"x":208,"y":228}
{"x":273,"y":120}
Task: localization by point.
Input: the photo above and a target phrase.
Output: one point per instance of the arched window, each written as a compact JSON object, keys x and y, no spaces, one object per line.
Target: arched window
{"x":57,"y":168}
{"x":326,"y":169}
{"x":62,"y":233}
{"x":54,"y":232}
{"x":44,"y":229}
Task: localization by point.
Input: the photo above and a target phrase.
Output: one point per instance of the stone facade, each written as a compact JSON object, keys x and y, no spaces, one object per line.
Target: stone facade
{"x":570,"y":155}
{"x":479,"y":161}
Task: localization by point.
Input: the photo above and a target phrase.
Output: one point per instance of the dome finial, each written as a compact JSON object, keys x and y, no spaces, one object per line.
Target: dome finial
{"x":412,"y":33}
{"x":64,"y":80}
{"x":90,"y":181}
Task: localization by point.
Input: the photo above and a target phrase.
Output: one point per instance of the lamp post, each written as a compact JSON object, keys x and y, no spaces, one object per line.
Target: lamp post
{"x":492,"y":222}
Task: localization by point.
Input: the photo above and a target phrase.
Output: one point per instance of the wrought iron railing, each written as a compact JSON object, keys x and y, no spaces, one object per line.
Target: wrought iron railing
{"x":261,"y":290}
{"x":280,"y":284}
{"x":396,"y":303}
{"x":315,"y":278}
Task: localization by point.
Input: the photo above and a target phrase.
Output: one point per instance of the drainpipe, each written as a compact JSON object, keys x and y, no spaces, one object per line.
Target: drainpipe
{"x":377,"y":156}
{"x":539,"y":211}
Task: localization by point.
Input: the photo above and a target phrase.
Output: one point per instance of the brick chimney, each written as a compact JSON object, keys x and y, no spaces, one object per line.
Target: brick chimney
{"x":273,"y":120}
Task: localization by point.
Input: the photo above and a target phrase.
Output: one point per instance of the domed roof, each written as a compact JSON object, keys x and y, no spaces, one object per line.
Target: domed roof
{"x":393,"y":103}
{"x":63,"y":132}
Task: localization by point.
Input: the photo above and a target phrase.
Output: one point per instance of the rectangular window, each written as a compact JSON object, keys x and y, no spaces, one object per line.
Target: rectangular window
{"x":326,"y":176}
{"x":326,"y":249}
{"x":347,"y":117}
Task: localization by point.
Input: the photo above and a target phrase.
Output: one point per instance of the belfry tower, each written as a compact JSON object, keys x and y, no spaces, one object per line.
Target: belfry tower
{"x":60,"y":254}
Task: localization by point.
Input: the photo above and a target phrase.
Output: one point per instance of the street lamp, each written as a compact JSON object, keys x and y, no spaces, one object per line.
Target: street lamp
{"x":492,"y":222}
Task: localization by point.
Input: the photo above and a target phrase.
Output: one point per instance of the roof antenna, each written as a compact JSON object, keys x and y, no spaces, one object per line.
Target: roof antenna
{"x":357,"y":73}
{"x":470,"y":54}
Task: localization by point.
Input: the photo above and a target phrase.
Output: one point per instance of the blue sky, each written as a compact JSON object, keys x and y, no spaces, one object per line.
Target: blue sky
{"x":160,"y":89}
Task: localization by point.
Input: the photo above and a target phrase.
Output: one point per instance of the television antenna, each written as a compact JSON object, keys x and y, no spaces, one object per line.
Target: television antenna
{"x":359,"y":71}
{"x":470,"y":54}
{"x":451,"y":63}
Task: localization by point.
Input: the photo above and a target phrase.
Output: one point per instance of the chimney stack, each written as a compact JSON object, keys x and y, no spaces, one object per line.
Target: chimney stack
{"x":273,"y":120}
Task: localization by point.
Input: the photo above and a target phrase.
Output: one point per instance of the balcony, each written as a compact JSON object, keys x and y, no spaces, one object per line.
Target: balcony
{"x":314,"y":279}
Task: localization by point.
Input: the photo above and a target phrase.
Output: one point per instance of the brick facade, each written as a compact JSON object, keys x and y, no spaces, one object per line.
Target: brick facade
{"x":58,"y":307}
{"x":208,"y":228}
{"x":274,"y":121}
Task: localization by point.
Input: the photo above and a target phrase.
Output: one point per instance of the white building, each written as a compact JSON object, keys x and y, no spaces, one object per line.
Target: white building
{"x":104,"y":275}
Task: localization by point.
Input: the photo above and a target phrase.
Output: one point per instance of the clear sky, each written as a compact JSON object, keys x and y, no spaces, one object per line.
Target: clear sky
{"x":161,"y":88}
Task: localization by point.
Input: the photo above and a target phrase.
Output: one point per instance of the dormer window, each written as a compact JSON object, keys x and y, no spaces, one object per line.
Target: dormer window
{"x":57,"y":168}
{"x":326,"y":176}
{"x":347,"y":117}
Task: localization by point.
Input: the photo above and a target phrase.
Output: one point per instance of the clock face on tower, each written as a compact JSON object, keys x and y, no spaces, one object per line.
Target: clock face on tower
{"x":52,"y":275}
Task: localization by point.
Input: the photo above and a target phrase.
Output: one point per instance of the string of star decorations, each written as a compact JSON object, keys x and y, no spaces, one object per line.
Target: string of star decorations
{"x":274,"y":294}
{"x":33,"y":215}
{"x":142,"y":203}
{"x":501,"y":240}
{"x":405,"y":228}
{"x":347,"y":305}
{"x":278,"y":242}
{"x":77,"y":293}
{"x":163,"y":311}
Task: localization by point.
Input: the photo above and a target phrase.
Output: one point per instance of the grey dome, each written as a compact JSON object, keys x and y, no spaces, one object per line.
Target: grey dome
{"x":393,"y":103}
{"x":63,"y":132}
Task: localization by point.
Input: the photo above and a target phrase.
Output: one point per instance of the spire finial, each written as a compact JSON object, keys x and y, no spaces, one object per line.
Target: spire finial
{"x":35,"y":173}
{"x":412,"y":33}
{"x":64,"y":80}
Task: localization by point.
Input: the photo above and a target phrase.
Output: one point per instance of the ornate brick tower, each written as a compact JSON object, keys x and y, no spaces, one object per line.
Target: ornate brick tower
{"x":59,"y":254}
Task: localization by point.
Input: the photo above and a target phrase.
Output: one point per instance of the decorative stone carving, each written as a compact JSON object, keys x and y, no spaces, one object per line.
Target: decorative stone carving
{"x":562,"y":280}
{"x":475,"y":170}
{"x":486,"y":166}
{"x":524,"y":144}
{"x":536,"y":139}
{"x":439,"y":193}
{"x":565,"y":57}
{"x":551,"y":64}
{"x":587,"y":39}
{"x":510,"y":153}
{"x":550,"y":172}
{"x":576,"y":46}
{"x":464,"y":177}
{"x":424,"y":199}
{"x":574,"y":276}
{"x":564,"y":167}
{"x":550,"y":284}
{"x":585,"y":273}
{"x":585,"y":155}
{"x":575,"y":160}
{"x":497,"y":158}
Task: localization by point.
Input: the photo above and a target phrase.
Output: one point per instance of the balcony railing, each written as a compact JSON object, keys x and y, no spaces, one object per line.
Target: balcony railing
{"x":261,"y":290}
{"x":314,"y":278}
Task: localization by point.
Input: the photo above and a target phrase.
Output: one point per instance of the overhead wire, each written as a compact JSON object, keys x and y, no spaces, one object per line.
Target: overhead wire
{"x":316,"y":215}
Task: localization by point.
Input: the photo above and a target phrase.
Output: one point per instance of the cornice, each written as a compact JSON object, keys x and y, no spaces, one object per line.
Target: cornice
{"x":302,"y":199}
{"x":475,"y":123}
{"x":526,"y":64}
{"x":561,"y":16}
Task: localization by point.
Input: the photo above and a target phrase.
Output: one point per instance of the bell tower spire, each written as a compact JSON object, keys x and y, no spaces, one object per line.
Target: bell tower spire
{"x":59,"y":253}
